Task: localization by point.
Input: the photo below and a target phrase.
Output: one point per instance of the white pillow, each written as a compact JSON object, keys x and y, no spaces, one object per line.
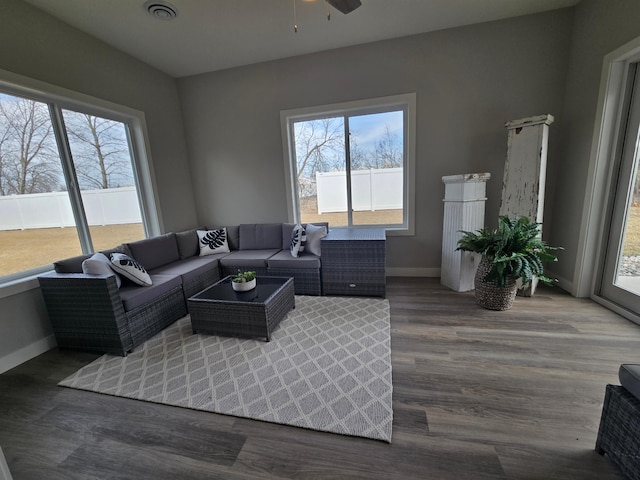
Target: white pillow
{"x":99,"y":264}
{"x":129,"y":268}
{"x":314,"y":235}
{"x":298,"y":240}
{"x":213,"y":241}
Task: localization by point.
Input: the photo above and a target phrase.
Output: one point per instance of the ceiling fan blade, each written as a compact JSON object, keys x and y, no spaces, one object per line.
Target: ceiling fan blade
{"x":345,"y":6}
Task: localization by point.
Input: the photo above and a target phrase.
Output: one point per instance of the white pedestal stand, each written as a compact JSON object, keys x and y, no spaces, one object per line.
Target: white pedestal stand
{"x":525,"y":171}
{"x":464,"y":199}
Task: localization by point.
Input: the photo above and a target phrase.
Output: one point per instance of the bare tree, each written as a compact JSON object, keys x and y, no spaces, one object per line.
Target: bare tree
{"x":28,"y":158}
{"x":100,"y":151}
{"x":388,"y":152}
{"x":319,"y":148}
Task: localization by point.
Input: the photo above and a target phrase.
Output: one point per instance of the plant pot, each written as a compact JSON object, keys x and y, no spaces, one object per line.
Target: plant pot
{"x":490,"y":295}
{"x":244,"y":286}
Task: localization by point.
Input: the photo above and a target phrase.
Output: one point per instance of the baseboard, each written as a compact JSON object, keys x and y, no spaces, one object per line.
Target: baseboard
{"x":563,"y":283}
{"x":27,"y":353}
{"x":412,"y":272}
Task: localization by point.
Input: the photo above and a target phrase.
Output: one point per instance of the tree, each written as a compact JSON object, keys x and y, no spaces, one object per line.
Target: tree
{"x":319,"y":148}
{"x":100,"y":151}
{"x":388,"y":152}
{"x":28,"y":158}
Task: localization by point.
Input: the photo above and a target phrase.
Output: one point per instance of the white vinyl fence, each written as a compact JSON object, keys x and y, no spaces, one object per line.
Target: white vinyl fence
{"x":48,"y":210}
{"x":375,"y":189}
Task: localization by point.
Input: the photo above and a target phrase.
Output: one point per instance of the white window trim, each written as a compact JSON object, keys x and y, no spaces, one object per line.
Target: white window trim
{"x":20,"y":85}
{"x":407,"y":100}
{"x":599,"y":180}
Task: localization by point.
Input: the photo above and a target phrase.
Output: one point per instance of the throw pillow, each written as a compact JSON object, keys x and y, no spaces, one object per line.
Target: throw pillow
{"x":314,"y":235}
{"x":298,"y":240}
{"x":213,"y":241}
{"x":129,"y":268}
{"x":99,"y":264}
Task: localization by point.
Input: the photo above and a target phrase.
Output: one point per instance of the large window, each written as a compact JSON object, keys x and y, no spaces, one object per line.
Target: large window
{"x":352,"y":164}
{"x":69,"y":181}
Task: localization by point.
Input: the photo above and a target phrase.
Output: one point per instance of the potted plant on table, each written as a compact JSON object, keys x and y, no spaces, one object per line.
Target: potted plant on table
{"x":513,"y":251}
{"x":243,"y":281}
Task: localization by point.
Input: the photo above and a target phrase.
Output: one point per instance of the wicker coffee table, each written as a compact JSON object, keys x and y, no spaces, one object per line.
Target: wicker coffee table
{"x":219,"y":310}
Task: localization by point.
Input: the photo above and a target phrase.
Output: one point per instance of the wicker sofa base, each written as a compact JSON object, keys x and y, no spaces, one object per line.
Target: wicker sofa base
{"x":305,"y":282}
{"x":619,"y":432}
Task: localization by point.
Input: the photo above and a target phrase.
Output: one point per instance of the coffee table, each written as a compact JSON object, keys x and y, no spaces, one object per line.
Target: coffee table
{"x":219,"y":310}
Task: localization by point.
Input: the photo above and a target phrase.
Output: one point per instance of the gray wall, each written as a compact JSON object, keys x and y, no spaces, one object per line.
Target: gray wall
{"x":469,"y":81}
{"x":600,"y":26}
{"x":38,"y":46}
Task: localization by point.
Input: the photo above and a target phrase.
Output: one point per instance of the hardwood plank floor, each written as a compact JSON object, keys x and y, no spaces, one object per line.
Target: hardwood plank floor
{"x":477,"y":395}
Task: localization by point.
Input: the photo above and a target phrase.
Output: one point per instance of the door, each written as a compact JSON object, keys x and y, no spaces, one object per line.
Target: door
{"x":620,"y":281}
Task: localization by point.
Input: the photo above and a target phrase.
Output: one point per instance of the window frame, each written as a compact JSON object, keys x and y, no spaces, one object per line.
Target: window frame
{"x":58,"y":99}
{"x":405,"y":102}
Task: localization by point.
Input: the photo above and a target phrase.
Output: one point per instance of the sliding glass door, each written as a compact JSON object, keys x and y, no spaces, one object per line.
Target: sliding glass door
{"x":621,"y":273}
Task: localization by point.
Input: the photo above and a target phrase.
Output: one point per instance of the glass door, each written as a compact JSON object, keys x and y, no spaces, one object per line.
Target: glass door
{"x":621,"y":272}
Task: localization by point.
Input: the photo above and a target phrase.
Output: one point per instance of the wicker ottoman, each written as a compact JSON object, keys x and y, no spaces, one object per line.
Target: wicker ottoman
{"x":619,"y":432}
{"x":219,"y":310}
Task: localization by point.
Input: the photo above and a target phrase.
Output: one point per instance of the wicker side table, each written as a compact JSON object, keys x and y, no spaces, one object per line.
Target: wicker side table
{"x":354,"y":261}
{"x":219,"y":310}
{"x":619,"y":432}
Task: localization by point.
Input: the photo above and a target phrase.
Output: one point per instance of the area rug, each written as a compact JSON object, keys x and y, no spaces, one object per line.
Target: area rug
{"x":327,"y":368}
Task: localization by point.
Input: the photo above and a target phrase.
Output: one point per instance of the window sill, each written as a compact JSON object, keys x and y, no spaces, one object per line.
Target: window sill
{"x":21,"y":285}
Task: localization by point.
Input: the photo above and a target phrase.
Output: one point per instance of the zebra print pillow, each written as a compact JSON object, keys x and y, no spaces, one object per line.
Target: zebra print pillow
{"x":129,"y":268}
{"x":298,"y":240}
{"x":213,"y":241}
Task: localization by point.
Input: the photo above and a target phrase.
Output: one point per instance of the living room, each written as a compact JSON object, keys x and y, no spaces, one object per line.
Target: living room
{"x":212,"y":134}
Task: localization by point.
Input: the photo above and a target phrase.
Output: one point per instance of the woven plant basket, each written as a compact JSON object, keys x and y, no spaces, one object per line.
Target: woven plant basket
{"x":490,"y":295}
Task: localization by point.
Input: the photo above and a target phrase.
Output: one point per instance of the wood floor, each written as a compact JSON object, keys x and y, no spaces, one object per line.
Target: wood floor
{"x":477,"y":395}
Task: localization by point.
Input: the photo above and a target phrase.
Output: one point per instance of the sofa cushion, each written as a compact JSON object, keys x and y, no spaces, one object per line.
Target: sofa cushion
{"x":211,"y":242}
{"x":260,"y":236}
{"x":249,"y":258}
{"x":283,"y":259}
{"x":133,"y":296}
{"x":189,"y":267}
{"x":99,"y":264}
{"x":155,"y":251}
{"x":70,"y":265}
{"x":629,"y":375}
{"x":233,"y":236}
{"x":314,"y":235}
{"x":130,"y":268}
{"x":188,"y":243}
{"x":119,"y":249}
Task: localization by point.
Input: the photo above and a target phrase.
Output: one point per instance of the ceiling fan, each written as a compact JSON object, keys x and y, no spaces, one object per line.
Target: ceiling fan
{"x":345,"y":6}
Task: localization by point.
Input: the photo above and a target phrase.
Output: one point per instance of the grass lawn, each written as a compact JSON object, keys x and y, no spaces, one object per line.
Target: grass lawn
{"x":26,"y":249}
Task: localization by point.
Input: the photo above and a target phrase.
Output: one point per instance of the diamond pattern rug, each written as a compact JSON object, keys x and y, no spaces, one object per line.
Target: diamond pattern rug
{"x":327,"y":367}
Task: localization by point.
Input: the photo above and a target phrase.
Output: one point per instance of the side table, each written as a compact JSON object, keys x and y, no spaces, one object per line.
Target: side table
{"x":354,"y":261}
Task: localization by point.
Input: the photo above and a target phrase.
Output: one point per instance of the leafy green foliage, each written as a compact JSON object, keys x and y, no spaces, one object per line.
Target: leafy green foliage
{"x":515,"y":249}
{"x":244,"y":277}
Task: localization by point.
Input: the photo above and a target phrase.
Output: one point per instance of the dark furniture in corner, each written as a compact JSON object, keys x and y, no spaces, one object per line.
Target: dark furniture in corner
{"x":619,"y":432}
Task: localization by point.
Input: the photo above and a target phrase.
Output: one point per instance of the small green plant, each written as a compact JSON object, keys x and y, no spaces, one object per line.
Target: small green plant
{"x":244,"y":277}
{"x":515,"y":250}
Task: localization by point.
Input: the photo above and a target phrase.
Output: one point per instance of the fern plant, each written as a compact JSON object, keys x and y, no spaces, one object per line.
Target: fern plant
{"x":515,"y":250}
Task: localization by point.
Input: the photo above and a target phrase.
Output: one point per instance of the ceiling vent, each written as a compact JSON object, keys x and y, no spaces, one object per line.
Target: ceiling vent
{"x":161,"y":10}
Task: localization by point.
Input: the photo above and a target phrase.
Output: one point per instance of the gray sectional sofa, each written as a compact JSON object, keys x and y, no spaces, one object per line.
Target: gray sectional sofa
{"x":90,"y":312}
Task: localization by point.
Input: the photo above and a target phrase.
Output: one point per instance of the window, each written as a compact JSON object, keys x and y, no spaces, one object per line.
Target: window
{"x":73,"y":180}
{"x":352,"y":164}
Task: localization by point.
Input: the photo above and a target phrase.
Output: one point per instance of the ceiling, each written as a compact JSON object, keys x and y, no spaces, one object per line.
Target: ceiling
{"x":209,"y":35}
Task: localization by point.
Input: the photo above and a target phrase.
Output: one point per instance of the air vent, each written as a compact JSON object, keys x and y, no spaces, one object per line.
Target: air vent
{"x":161,"y":10}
